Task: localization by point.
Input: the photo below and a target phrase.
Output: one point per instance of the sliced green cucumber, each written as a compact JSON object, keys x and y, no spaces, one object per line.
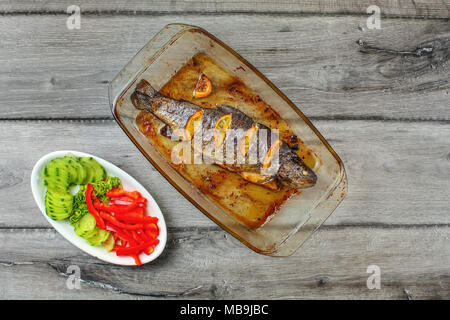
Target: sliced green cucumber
{"x":78,"y":167}
{"x":58,"y":216}
{"x":109,"y":243}
{"x":100,"y":172}
{"x":60,"y":180}
{"x":59,"y":175}
{"x":86,"y":224}
{"x":95,"y":172}
{"x":58,"y":207}
{"x":57,"y":213}
{"x":64,"y":199}
{"x":101,"y":237}
{"x":69,"y":164}
{"x":57,"y":168}
{"x":57,"y":210}
{"x":90,"y":174}
{"x":91,"y":234}
{"x":57,"y":188}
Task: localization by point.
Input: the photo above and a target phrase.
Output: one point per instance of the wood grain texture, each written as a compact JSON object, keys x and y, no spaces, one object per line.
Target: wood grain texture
{"x":414,"y":263}
{"x":386,"y":115}
{"x":402,"y":8}
{"x":398,"y":173}
{"x":49,"y":71}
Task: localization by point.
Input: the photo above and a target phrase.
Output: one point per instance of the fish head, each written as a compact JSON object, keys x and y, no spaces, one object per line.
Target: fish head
{"x":296,"y":175}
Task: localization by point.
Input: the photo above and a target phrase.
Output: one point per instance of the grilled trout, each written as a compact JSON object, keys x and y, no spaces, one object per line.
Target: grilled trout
{"x":229,"y":138}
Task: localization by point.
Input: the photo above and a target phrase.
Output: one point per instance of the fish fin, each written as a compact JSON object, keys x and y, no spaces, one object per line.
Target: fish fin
{"x":229,"y":109}
{"x":262,"y":180}
{"x":146,"y":88}
{"x":255,"y":178}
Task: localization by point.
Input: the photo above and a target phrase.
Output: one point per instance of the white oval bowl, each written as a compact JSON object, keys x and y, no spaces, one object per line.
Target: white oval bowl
{"x":67,"y":231}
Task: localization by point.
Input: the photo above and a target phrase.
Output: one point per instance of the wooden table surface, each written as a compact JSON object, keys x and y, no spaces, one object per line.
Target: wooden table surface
{"x":387,"y":115}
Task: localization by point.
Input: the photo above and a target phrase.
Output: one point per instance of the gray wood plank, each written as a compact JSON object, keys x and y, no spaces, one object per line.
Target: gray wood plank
{"x":403,"y":8}
{"x":399,"y":173}
{"x":49,"y":71}
{"x":414,"y":263}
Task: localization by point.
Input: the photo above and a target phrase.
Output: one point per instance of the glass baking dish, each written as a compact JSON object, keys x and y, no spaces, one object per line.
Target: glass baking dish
{"x":159,"y":60}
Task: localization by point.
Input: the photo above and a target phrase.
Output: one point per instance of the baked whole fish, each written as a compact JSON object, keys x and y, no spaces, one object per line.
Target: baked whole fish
{"x":227,"y":137}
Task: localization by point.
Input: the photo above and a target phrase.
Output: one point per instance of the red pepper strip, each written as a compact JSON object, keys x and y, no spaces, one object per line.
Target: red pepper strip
{"x":114,"y":208}
{"x":130,"y":216}
{"x":135,"y":237}
{"x":150,"y":234}
{"x":141,"y":234}
{"x":116,"y":193}
{"x":120,"y":233}
{"x":139,"y":238}
{"x":130,"y":236}
{"x":150,"y":249}
{"x":142,"y":200}
{"x":139,"y":212}
{"x":99,"y":221}
{"x":152,"y":227}
{"x":135,"y":219}
{"x":136,"y":259}
{"x":119,"y":224}
{"x":137,"y":248}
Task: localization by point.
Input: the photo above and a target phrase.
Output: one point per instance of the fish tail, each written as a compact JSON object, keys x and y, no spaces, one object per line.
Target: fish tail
{"x":140,"y":101}
{"x":146,"y":88}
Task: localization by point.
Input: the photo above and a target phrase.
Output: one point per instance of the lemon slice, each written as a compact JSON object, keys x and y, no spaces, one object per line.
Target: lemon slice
{"x":273,"y":150}
{"x":220,"y":129}
{"x":192,"y":125}
{"x":203,"y":87}
{"x":247,"y":139}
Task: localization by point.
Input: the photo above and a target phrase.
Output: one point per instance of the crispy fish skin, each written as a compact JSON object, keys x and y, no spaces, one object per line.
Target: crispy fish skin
{"x":291,"y":170}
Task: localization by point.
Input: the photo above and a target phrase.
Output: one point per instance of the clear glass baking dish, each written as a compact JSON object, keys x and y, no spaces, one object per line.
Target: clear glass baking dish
{"x":300,"y":216}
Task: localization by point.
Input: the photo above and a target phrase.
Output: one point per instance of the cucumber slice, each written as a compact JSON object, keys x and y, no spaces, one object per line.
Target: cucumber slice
{"x":60,"y":198}
{"x":53,"y":174}
{"x":56,"y":187}
{"x":99,"y":171}
{"x":69,"y":164}
{"x":101,"y":237}
{"x":90,"y":171}
{"x":58,"y":206}
{"x":51,"y":209}
{"x":57,"y":168}
{"x":85,"y":225}
{"x":109,"y":243}
{"x":79,"y":173}
{"x":62,"y":181}
{"x":91,"y":234}
{"x":57,"y":213}
{"x":57,"y":216}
